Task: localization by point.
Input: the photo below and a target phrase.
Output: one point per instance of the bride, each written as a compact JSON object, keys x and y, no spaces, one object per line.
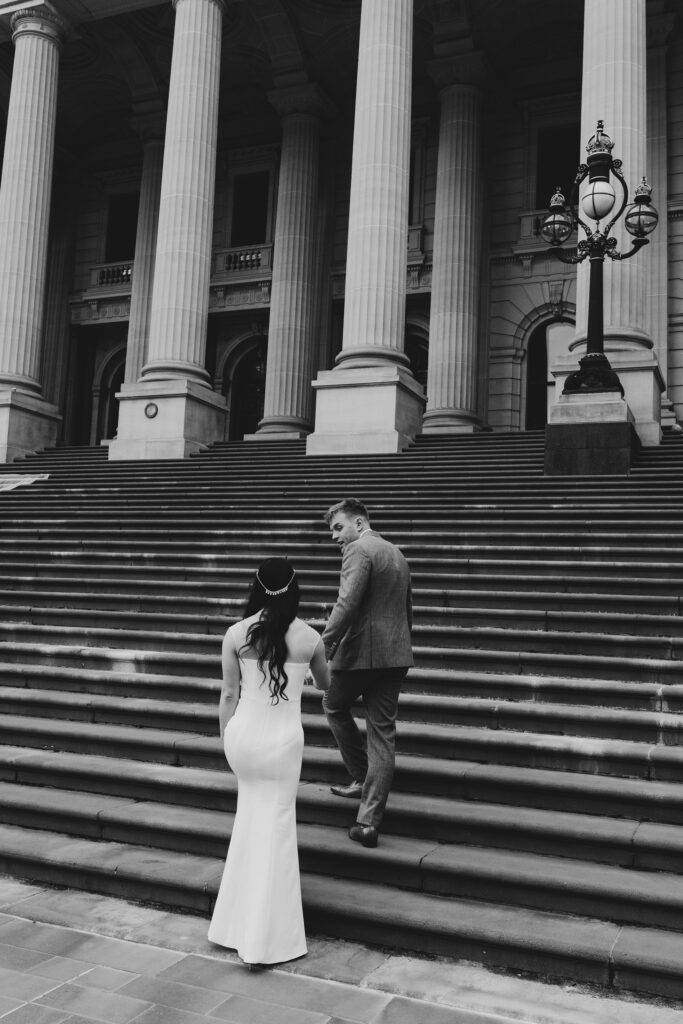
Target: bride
{"x":266,"y":657}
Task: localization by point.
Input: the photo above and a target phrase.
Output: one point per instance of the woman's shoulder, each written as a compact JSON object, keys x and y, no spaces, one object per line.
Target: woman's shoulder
{"x":303,"y":629}
{"x":239,"y":628}
{"x":301,"y":640}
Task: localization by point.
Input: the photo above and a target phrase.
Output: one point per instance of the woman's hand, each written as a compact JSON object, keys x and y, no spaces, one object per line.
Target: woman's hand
{"x":319,"y":667}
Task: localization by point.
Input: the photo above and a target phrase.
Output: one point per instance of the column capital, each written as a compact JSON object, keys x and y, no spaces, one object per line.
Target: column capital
{"x":307,"y":98}
{"x":469,"y":68}
{"x":42,"y":20}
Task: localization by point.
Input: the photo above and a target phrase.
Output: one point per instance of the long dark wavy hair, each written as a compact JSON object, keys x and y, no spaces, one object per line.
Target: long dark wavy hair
{"x":267,"y":635}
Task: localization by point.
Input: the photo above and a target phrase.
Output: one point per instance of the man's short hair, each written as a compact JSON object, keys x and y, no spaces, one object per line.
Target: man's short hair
{"x":348,"y":507}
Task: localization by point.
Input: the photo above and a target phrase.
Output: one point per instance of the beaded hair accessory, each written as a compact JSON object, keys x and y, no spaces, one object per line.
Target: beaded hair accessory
{"x":275,"y":593}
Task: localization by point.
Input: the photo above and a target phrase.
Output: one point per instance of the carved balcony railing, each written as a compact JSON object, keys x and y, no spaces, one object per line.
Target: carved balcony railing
{"x":112,"y":275}
{"x":242,"y":260}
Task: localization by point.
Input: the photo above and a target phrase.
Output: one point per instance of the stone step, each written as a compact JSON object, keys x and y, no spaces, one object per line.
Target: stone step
{"x":432,"y":643}
{"x":415,"y":741}
{"x":644,"y":726}
{"x":502,"y":686}
{"x":625,"y":843}
{"x":604,"y":891}
{"x":186,"y":662}
{"x":556,"y":944}
{"x":194,"y":603}
{"x":518,"y":790}
{"x":89,"y":609}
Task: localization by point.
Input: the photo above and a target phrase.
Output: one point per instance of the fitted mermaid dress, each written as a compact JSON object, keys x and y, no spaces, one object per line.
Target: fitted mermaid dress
{"x":258,"y":910}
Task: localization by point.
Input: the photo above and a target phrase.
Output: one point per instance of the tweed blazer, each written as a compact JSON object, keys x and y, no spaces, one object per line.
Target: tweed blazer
{"x":370,"y":624}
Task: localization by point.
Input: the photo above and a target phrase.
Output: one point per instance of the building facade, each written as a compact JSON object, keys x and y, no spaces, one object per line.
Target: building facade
{"x":321,"y":218}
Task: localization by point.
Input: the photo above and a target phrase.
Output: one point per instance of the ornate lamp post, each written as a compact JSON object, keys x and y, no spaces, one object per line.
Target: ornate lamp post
{"x":598,"y":202}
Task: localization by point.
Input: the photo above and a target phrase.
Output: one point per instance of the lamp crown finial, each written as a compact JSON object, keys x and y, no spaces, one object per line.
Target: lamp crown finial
{"x":600,"y":142}
{"x":643,"y":192}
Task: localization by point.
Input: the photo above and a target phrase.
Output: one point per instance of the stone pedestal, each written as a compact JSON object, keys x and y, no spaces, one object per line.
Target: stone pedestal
{"x":590,"y":435}
{"x":27,"y":424}
{"x":364,"y":410}
{"x":168,"y":419}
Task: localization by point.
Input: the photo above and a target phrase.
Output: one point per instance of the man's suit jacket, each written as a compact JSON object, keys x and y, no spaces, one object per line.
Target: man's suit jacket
{"x":370,"y":624}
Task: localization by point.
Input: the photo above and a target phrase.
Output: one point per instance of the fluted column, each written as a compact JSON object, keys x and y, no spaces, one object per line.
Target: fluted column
{"x":27,"y":421}
{"x":614,"y":89}
{"x":454,"y":319}
{"x":151,"y":130}
{"x":292,"y":325}
{"x":659,"y":28}
{"x":25,"y":195}
{"x":180,"y":302}
{"x":172,"y":410}
{"x":377,"y":253}
{"x":371,"y":402}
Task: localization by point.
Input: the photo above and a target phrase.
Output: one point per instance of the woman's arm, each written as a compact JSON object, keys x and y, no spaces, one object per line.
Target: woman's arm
{"x":230,"y":689}
{"x":319,"y":667}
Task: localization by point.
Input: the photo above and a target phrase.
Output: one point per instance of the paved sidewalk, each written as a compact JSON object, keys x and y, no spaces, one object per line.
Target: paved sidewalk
{"x":69,"y":957}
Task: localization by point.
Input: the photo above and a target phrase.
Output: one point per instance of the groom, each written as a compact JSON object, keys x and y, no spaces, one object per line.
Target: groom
{"x":367,"y":641}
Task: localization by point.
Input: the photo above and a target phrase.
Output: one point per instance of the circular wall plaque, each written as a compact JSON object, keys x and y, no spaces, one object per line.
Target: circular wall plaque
{"x":151,"y":409}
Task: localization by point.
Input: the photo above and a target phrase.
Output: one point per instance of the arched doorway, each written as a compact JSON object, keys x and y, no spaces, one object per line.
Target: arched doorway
{"x":548,"y":343}
{"x":247,"y":389}
{"x":108,"y":409}
{"x":537,"y":379}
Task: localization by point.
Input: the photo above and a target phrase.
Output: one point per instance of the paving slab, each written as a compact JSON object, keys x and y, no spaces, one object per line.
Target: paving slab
{"x":31,"y":1013}
{"x":105,"y":959}
{"x":93,"y":1002}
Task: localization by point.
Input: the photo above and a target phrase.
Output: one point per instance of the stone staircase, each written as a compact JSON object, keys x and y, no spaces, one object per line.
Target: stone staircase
{"x":536,"y":821}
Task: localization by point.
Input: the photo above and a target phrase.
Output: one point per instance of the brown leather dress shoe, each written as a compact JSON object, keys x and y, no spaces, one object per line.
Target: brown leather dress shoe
{"x":366,"y":835}
{"x":353,"y":791}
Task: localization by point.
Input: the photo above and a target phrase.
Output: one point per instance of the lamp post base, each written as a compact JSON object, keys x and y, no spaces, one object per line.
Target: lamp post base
{"x":596,"y":375}
{"x":590,"y":434}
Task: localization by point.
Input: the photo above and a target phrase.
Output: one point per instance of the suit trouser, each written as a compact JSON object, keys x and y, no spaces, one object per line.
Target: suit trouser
{"x":371,"y":763}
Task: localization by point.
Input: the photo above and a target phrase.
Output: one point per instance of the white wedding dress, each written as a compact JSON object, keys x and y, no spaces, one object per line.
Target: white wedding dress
{"x":258,"y":910}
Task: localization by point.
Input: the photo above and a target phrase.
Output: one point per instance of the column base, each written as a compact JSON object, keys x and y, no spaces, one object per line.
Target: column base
{"x":369,"y":410}
{"x":168,"y":419}
{"x":590,"y":434}
{"x":277,"y":435}
{"x":276,"y":429}
{"x":450,"y":421}
{"x":27,"y":424}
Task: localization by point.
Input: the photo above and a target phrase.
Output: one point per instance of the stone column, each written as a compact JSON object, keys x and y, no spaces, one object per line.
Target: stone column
{"x":151,"y":130}
{"x":454,"y":318}
{"x":293,"y":306}
{"x":370,"y":401}
{"x":27,"y":422}
{"x":614,"y":90}
{"x":659,"y":28}
{"x":173,"y":411}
